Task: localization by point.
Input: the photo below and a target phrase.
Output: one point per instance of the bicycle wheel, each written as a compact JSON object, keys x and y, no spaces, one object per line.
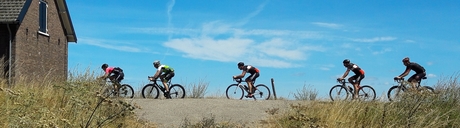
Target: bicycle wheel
{"x":426,"y":89}
{"x":366,"y":93}
{"x":150,"y":91}
{"x":107,"y":91}
{"x":338,"y":93}
{"x":126,"y":91}
{"x":176,"y":91}
{"x":234,"y":92}
{"x":262,"y":92}
{"x":395,"y":93}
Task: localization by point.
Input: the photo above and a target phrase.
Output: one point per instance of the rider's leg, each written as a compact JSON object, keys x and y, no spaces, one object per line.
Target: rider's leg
{"x":163,"y":80}
{"x":413,"y":81}
{"x":355,"y":85}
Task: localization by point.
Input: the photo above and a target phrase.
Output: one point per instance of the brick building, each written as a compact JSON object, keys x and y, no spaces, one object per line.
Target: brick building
{"x":34,"y":37}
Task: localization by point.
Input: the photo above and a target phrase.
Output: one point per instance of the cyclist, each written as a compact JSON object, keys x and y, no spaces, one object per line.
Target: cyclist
{"x":165,"y":73}
{"x":419,"y":72}
{"x":354,"y":80}
{"x":115,"y":74}
{"x":251,"y":78}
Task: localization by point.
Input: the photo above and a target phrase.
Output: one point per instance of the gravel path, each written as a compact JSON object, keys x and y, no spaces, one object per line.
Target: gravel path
{"x":171,"y":113}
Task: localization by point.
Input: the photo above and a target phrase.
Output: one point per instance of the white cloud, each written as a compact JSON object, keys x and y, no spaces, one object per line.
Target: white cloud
{"x":210,"y":49}
{"x":430,"y":75}
{"x":409,"y":41}
{"x":115,"y":45}
{"x":375,"y":39}
{"x":326,"y":67}
{"x":273,"y":53}
{"x":327,"y":25}
{"x":382,"y":51}
{"x":430,"y":63}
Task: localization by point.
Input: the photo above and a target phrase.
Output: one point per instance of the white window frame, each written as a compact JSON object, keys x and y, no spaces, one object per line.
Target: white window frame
{"x":43,"y":17}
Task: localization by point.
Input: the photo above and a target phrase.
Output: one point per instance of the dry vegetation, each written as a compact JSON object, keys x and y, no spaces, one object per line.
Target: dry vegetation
{"x":77,"y":103}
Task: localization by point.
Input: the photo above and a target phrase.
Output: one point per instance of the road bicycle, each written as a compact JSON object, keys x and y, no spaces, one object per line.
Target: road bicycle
{"x":236,"y":91}
{"x":152,"y":90}
{"x":343,"y":92}
{"x":124,"y":91}
{"x":395,"y":92}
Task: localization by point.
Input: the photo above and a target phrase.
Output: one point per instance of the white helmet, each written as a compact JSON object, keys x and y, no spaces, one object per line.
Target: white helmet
{"x":156,"y":63}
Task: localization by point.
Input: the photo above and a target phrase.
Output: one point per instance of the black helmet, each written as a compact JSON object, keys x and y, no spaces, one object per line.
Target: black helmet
{"x":240,"y":64}
{"x":406,"y":59}
{"x":104,"y":66}
{"x":346,"y":61}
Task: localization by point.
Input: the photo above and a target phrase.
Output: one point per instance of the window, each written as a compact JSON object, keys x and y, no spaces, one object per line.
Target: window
{"x":43,"y":9}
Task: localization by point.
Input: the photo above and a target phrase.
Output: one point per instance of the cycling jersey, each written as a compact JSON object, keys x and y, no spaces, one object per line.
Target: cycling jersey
{"x":115,"y":70}
{"x":355,"y":68}
{"x":118,"y":74}
{"x":165,"y":68}
{"x":415,"y":67}
{"x":250,"y":69}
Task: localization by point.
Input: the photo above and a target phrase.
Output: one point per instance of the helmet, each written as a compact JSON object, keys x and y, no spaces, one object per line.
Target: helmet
{"x":346,"y":61}
{"x":156,"y":62}
{"x":240,"y":64}
{"x":406,"y":59}
{"x":104,"y":66}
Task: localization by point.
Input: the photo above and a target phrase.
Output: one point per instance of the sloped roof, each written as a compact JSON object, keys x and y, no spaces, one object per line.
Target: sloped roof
{"x":13,"y":11}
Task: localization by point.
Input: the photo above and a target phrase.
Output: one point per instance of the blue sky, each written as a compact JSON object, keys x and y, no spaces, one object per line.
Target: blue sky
{"x":296,"y":42}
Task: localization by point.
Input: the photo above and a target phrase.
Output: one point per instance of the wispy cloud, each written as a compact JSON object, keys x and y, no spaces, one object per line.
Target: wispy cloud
{"x":431,"y":75}
{"x":375,"y":39}
{"x":326,"y":67}
{"x":115,"y":45}
{"x":327,"y":25}
{"x":382,"y":51}
{"x":217,"y":27}
{"x":169,"y":9}
{"x":252,"y":14}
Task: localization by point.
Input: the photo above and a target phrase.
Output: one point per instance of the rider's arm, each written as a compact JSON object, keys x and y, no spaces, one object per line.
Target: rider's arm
{"x":345,"y":74}
{"x":107,"y":73}
{"x":405,"y":73}
{"x":157,"y":73}
{"x":241,"y":75}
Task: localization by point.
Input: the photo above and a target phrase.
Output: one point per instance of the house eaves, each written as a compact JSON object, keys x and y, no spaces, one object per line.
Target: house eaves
{"x":66,"y":21}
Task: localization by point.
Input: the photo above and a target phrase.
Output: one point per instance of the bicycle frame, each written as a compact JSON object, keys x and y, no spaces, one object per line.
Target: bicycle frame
{"x":403,"y":83}
{"x":242,"y":86}
{"x":349,"y":89}
{"x":162,"y":88}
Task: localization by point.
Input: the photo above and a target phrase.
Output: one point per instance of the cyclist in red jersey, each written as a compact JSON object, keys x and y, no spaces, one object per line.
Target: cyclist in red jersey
{"x":356,"y":79}
{"x":251,"y":78}
{"x":115,"y":74}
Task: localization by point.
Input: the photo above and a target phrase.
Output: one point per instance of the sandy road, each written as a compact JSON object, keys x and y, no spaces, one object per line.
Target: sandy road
{"x":171,"y":113}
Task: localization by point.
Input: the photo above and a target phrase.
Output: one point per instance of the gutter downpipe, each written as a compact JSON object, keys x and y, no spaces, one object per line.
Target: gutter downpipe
{"x":9,"y":58}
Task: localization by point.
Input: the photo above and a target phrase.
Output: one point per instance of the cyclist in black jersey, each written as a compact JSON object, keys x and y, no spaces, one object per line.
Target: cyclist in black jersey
{"x":354,"y":80}
{"x":249,"y":80}
{"x":419,"y":72}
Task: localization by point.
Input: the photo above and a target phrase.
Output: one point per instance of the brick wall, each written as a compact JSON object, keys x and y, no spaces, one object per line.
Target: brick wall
{"x":38,"y":56}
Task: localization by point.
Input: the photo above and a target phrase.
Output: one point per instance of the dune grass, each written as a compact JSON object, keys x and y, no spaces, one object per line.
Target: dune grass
{"x":78,"y":103}
{"x":75,"y":103}
{"x":419,"y":110}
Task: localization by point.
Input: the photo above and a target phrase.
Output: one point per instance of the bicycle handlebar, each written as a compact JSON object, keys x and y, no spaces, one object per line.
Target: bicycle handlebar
{"x":341,"y":81}
{"x":399,"y":80}
{"x":239,"y":80}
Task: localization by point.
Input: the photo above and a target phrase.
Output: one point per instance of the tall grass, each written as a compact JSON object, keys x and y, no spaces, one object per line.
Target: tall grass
{"x":197,"y":90}
{"x":75,"y":103}
{"x":441,"y":109}
{"x":306,"y":93}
